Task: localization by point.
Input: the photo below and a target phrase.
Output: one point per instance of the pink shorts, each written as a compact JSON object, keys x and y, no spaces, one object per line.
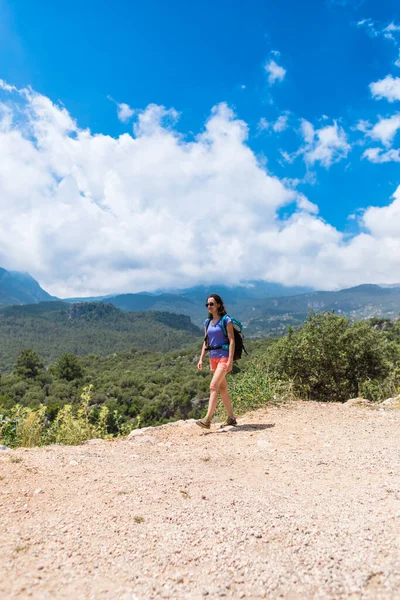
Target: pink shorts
{"x":219,"y":363}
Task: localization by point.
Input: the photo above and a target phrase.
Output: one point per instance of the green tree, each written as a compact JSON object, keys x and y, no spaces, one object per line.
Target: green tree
{"x":28,"y":364}
{"x":69,"y":367}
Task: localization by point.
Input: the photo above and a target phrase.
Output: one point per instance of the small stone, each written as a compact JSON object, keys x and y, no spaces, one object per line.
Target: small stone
{"x":36,"y":492}
{"x":137,"y":432}
{"x":4,"y":448}
{"x":147,"y":439}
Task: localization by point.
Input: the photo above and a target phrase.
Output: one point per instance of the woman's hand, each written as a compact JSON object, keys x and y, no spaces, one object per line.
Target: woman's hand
{"x":229,"y":364}
{"x":200,"y":365}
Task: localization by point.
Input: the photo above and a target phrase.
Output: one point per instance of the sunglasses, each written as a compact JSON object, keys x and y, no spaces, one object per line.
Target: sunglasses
{"x":210,"y":304}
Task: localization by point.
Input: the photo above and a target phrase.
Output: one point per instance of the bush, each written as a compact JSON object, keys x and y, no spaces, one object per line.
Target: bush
{"x":330,"y":358}
{"x":30,"y":428}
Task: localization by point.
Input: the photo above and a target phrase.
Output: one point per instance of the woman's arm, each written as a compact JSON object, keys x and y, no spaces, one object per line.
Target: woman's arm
{"x":231,"y":338}
{"x":203,"y":351}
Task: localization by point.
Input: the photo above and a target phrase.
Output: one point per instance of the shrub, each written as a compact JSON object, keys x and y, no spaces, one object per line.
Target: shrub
{"x":330,"y":358}
{"x":30,"y":428}
{"x":71,"y":425}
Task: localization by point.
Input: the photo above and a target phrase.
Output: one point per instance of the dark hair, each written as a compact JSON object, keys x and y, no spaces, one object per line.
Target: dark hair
{"x":218,"y":300}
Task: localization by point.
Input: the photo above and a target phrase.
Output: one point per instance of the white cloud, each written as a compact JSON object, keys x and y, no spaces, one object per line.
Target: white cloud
{"x":390,"y":31}
{"x":388,"y":88}
{"x":91,"y":214}
{"x":7,"y":87}
{"x":125,"y":112}
{"x":275,"y":72}
{"x":281,"y":124}
{"x":370,"y":27}
{"x":384,"y":130}
{"x":384,"y":222}
{"x":326,"y":145}
{"x":263,"y":124}
{"x":154,"y":120}
{"x":289,"y":158}
{"x":392,"y":27}
{"x":379,"y":156}
{"x":363,"y":126}
{"x":374,"y":29}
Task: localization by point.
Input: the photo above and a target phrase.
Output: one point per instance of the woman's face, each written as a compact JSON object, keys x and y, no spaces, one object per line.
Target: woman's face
{"x":212,"y":305}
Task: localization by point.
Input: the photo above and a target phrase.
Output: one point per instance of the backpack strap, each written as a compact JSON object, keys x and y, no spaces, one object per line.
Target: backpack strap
{"x":223,"y":319}
{"x":206,"y":326}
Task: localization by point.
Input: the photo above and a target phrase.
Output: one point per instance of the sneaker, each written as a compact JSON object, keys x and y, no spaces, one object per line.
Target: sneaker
{"x":229,"y":421}
{"x":205,"y":423}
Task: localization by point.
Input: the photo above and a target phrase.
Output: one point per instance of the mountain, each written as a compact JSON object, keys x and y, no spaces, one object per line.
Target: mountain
{"x":56,"y":328}
{"x":264,"y":308}
{"x":20,"y":288}
{"x":273,"y":315}
{"x":190,"y":301}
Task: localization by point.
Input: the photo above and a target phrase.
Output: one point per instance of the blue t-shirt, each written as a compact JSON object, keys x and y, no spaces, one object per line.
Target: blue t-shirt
{"x":216,"y":337}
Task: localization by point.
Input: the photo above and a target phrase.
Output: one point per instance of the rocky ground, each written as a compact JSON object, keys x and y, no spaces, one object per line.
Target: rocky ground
{"x":296,"y":502}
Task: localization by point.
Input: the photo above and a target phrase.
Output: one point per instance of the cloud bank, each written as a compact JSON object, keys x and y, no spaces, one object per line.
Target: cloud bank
{"x":91,"y":214}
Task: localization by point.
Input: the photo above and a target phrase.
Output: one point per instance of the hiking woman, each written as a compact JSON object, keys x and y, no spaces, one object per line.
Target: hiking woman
{"x":221,"y":358}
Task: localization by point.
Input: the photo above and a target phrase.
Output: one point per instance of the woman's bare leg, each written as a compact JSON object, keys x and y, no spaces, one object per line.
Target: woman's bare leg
{"x":223,"y":390}
{"x":215,"y":385}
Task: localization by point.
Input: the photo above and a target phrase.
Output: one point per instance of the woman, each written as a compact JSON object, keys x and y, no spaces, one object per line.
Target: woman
{"x":221,"y":358}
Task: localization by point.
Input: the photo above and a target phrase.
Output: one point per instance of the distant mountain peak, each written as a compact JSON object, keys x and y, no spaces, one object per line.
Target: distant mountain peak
{"x":21,"y":288}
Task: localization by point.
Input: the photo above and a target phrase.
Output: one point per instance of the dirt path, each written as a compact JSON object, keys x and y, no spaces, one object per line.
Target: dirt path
{"x":295,"y":503}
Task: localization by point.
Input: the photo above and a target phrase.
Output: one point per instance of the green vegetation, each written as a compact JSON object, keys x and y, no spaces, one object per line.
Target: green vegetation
{"x":78,"y":398}
{"x":53,"y":329}
{"x":332,"y":359}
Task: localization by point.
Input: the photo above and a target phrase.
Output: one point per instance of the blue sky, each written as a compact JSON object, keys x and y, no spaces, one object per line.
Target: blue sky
{"x":281,"y":67}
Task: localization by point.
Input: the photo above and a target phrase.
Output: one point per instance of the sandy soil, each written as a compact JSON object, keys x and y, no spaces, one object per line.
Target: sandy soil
{"x":296,"y":502}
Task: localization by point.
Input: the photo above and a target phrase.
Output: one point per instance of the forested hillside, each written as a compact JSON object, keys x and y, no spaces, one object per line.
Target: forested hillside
{"x":56,"y":328}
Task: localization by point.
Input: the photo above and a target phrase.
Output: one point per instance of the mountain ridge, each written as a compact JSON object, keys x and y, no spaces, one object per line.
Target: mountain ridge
{"x":20,"y":288}
{"x":264,"y":308}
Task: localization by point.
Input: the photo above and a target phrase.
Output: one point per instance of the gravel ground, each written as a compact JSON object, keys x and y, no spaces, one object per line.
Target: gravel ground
{"x":296,"y":502}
